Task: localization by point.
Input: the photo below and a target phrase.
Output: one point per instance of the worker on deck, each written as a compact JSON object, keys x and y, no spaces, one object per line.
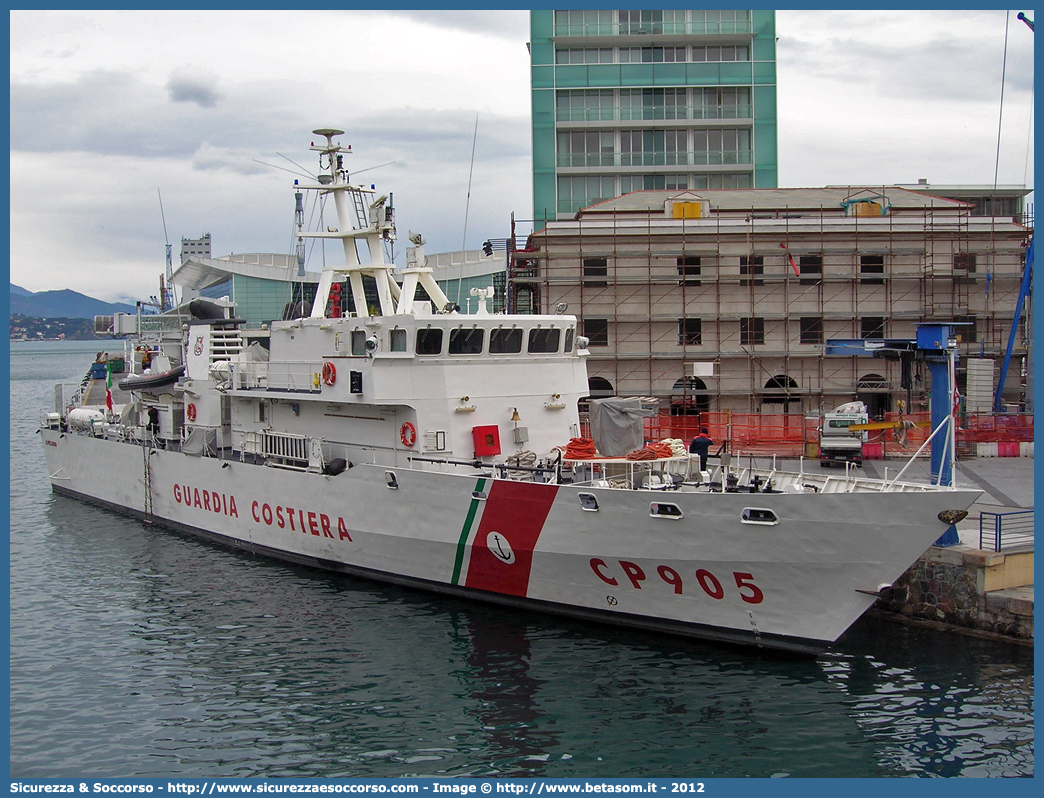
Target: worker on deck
{"x":700,"y":446}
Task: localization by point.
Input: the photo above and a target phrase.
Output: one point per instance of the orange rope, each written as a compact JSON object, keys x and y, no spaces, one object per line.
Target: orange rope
{"x":654,"y":451}
{"x":580,"y":449}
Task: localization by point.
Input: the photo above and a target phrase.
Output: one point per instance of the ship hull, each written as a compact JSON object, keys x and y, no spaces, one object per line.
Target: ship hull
{"x":791,"y":585}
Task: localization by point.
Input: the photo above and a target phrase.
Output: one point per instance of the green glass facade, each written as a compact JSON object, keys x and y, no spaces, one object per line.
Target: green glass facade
{"x":632,"y":100}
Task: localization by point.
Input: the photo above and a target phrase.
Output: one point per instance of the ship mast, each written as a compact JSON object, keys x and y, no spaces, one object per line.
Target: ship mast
{"x":374,"y":222}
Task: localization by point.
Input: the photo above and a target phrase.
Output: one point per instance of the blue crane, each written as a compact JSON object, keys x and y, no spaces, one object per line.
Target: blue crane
{"x":1027,"y":278}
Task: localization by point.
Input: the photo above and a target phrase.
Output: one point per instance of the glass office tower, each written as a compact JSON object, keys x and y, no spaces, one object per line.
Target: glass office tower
{"x":632,"y":100}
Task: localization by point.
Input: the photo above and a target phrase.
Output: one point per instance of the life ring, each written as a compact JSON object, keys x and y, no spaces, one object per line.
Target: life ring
{"x":329,"y":373}
{"x":190,"y":411}
{"x":408,"y":434}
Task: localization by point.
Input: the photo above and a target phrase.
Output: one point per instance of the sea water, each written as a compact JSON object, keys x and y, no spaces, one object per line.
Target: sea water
{"x":139,"y":652}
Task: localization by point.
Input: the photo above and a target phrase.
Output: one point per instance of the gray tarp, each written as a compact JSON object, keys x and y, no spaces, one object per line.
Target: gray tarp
{"x":616,"y":424}
{"x":200,"y":441}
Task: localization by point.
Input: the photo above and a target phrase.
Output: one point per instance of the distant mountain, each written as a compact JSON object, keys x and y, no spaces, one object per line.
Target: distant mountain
{"x":63,"y":304}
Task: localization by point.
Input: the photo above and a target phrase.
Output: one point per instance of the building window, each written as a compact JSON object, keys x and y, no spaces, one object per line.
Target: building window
{"x":724,"y":180}
{"x":812,"y":266}
{"x":727,"y":21}
{"x":575,"y":193}
{"x":752,"y":265}
{"x":586,"y":148}
{"x":653,"y":147}
{"x":652,"y":104}
{"x":689,"y":270}
{"x":721,"y":146}
{"x":587,"y":22}
{"x":752,"y":331}
{"x":690,"y":332}
{"x":871,"y":265}
{"x":596,"y":267}
{"x":584,"y":105}
{"x":723,"y":102}
{"x":584,"y":55}
{"x":966,"y":328}
{"x":811,"y":330}
{"x":652,"y":55}
{"x":649,"y":22}
{"x":872,"y":327}
{"x":596,"y":331}
{"x":629,"y":183}
{"x":964,"y":262}
{"x":725,"y":52}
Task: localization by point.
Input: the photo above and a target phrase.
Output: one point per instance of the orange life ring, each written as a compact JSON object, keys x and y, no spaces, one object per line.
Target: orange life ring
{"x":329,"y":373}
{"x":190,"y":411}
{"x":408,"y":434}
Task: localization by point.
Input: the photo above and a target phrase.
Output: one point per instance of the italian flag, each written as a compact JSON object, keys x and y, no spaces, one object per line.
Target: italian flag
{"x":108,"y":385}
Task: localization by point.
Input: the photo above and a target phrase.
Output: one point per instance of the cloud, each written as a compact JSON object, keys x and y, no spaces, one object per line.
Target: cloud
{"x":189,"y":84}
{"x":209,"y":158}
{"x":506,"y":24}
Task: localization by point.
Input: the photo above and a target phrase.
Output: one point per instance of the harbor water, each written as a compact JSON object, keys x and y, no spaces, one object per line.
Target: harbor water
{"x":137,"y":652}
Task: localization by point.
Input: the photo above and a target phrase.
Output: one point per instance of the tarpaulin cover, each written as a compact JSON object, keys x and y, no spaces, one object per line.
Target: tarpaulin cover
{"x":616,"y":424}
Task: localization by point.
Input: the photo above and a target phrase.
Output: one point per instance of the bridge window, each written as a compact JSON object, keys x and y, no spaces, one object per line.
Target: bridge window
{"x":429,"y":341}
{"x":568,"y":341}
{"x":544,"y":340}
{"x":505,"y":342}
{"x":466,"y":342}
{"x":398,"y":340}
{"x":359,"y":343}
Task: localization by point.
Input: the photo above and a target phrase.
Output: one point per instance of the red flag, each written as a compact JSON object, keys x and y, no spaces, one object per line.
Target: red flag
{"x":790,"y":259}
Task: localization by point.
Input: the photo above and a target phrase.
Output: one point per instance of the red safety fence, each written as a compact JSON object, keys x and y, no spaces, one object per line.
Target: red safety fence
{"x":999,"y":428}
{"x":791,"y":435}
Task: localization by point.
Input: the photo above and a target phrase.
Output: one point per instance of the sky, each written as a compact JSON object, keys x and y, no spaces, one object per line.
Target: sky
{"x":211,"y":112}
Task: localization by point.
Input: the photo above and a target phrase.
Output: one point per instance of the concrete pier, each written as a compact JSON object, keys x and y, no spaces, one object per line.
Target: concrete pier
{"x":965,"y":586}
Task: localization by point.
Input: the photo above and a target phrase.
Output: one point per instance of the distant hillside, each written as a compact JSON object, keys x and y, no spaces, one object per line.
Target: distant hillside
{"x":63,"y":304}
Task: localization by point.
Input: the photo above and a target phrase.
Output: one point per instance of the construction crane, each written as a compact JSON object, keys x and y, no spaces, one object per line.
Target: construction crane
{"x":167,"y":299}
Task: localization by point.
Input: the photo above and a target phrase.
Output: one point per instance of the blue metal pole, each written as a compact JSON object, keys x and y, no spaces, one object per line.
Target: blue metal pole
{"x":1027,"y":276}
{"x":942,"y":454}
{"x":941,"y":408}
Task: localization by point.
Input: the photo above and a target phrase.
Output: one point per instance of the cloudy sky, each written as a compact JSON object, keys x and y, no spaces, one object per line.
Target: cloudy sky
{"x":110,"y":108}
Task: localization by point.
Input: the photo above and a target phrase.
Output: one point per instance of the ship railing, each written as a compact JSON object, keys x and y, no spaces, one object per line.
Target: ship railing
{"x":300,"y":377}
{"x":251,"y":374}
{"x":1005,"y":531}
{"x":296,"y":452}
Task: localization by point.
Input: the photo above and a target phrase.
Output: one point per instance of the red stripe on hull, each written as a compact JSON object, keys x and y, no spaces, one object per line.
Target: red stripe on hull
{"x":502,"y":550}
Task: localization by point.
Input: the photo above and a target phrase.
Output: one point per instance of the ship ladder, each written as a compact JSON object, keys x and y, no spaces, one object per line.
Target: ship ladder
{"x":361,"y":211}
{"x":146,"y":453}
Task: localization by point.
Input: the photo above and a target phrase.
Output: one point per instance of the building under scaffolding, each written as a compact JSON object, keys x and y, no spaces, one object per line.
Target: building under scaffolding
{"x":722,"y":300}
